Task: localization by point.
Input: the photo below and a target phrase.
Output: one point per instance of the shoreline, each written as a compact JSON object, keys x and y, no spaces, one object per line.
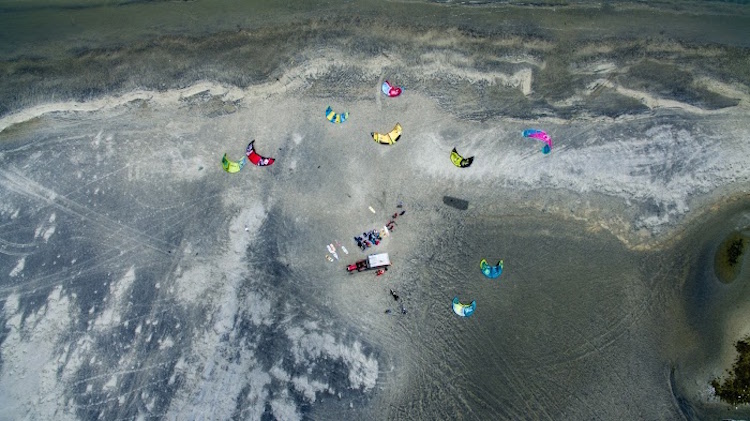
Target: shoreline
{"x":295,"y":81}
{"x":234,"y":99}
{"x":531,"y":60}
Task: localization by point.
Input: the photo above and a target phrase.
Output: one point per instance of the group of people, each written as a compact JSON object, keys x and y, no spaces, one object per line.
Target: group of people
{"x":375,"y":236}
{"x":368,"y":239}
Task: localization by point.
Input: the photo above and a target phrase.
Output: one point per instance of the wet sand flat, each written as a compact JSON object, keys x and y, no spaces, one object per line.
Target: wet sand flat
{"x":141,"y":280}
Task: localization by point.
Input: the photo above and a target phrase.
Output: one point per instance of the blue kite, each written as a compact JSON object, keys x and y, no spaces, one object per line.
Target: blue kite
{"x":464,"y":310}
{"x":491,"y":272}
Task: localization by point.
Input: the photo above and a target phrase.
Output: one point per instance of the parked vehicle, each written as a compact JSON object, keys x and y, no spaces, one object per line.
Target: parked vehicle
{"x":373,"y":261}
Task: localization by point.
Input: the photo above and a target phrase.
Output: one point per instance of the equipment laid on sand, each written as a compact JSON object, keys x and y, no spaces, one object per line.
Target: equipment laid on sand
{"x":232,"y":166}
{"x":463,"y":310}
{"x":455,"y":202}
{"x":389,"y":138}
{"x":334,"y":117}
{"x":373,"y":261}
{"x":491,"y":272}
{"x":255,"y":158}
{"x":459,"y":160}
{"x":390,"y":90}
{"x":539,"y":135}
{"x":332,"y":250}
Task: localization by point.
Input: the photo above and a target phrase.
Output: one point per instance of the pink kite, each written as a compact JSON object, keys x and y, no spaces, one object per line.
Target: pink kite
{"x":540,"y":135}
{"x":390,"y":90}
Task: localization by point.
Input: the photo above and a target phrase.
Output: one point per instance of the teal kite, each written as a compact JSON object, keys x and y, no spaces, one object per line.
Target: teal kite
{"x":464,"y":310}
{"x":491,"y":272}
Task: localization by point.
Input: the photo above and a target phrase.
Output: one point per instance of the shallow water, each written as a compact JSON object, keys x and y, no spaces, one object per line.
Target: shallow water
{"x":103,"y":48}
{"x":51,"y":28}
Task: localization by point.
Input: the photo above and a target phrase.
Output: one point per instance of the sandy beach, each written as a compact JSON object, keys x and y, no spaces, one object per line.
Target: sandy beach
{"x":139,"y":280}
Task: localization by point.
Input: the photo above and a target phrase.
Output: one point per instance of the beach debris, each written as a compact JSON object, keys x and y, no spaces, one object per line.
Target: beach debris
{"x":540,"y":135}
{"x":332,"y":250}
{"x":232,"y":166}
{"x":255,"y":158}
{"x":334,"y":117}
{"x":491,"y":272}
{"x":390,"y":90}
{"x":463,"y":310}
{"x":371,"y":209}
{"x":389,"y":138}
{"x":459,"y":160}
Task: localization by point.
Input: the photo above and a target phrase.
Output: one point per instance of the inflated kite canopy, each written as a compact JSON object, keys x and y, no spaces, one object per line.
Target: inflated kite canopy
{"x":256,"y":159}
{"x":233,"y":166}
{"x":464,"y":310}
{"x":390,"y":90}
{"x":389,"y":138}
{"x":459,"y":160}
{"x":540,"y":135}
{"x":335,"y":118}
{"x":491,"y":272}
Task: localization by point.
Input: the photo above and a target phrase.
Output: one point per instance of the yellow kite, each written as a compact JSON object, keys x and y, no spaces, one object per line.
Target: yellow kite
{"x":390,"y":138}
